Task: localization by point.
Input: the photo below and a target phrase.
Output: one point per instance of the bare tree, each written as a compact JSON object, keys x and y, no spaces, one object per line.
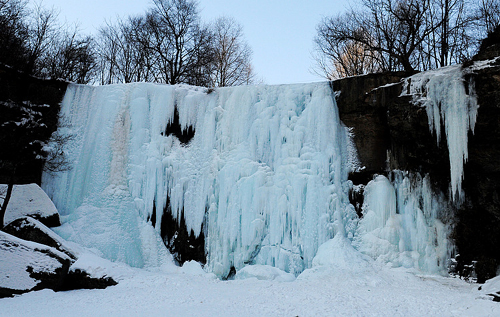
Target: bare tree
{"x":13,"y":33}
{"x":123,"y":51}
{"x":488,"y":14}
{"x":43,"y":31}
{"x":337,"y":59}
{"x":232,"y":55}
{"x":404,"y":35}
{"x":180,"y":45}
{"x":70,"y":57}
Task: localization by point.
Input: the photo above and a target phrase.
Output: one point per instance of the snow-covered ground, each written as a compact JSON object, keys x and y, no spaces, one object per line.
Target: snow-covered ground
{"x":331,"y":288}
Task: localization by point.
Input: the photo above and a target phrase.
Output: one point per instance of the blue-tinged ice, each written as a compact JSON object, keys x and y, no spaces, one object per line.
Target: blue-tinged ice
{"x":449,"y":104}
{"x":264,"y":173}
{"x":404,"y":223}
{"x":264,"y":178}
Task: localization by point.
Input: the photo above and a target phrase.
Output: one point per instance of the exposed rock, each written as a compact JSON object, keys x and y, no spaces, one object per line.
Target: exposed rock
{"x":366,"y":113}
{"x":392,"y":133}
{"x":174,"y":127}
{"x":30,"y":200}
{"x":79,"y":279}
{"x":477,"y":233}
{"x":490,"y":46}
{"x":184,"y":246}
{"x":27,"y":228}
{"x":26,"y":266}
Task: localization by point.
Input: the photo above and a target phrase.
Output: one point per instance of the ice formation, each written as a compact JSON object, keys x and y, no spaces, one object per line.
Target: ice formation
{"x":401,"y":223}
{"x":444,"y":95}
{"x":264,"y":178}
{"x":264,"y":172}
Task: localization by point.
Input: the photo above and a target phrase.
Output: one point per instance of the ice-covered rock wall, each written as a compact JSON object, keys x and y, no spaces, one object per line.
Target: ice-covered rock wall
{"x":451,"y":103}
{"x":264,"y":178}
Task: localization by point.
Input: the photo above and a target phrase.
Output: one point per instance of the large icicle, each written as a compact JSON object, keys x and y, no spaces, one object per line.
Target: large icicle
{"x":443,"y":94}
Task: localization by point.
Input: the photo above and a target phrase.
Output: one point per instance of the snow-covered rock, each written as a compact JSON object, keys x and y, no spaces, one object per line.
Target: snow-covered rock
{"x":26,"y":266}
{"x":33,"y":257}
{"x":491,"y":289}
{"x":29,"y":200}
{"x":33,"y":230}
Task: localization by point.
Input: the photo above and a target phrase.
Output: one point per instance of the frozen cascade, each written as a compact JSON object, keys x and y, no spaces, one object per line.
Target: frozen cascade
{"x":265,"y":172}
{"x":401,"y":223}
{"x":264,"y":178}
{"x":443,"y":94}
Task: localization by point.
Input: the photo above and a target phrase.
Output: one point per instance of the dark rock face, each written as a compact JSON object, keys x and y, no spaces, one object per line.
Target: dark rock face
{"x":392,"y":133}
{"x":477,"y":233}
{"x":174,"y":127}
{"x":184,"y":246}
{"x":366,"y":114}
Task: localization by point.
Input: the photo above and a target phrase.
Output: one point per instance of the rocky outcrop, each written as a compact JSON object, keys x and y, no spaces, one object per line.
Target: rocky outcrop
{"x":30,"y":229}
{"x":390,"y":132}
{"x":27,"y":266}
{"x":477,"y":233}
{"x":32,"y":257}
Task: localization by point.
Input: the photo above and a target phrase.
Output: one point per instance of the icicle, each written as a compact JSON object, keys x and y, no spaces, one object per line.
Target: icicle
{"x":443,"y":94}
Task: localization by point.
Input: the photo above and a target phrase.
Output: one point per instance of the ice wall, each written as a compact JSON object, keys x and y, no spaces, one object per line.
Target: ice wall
{"x":264,"y":178}
{"x":450,"y":102}
{"x":265,"y":171}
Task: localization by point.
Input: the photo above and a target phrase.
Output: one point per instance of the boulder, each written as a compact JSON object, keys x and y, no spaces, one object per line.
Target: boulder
{"x":30,"y":200}
{"x":26,"y":266}
{"x":30,"y":229}
{"x":33,"y":257}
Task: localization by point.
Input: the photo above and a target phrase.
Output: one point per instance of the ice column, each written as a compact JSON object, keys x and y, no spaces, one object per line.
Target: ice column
{"x":401,"y":223}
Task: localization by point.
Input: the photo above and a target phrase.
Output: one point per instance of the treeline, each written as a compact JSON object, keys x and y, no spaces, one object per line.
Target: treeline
{"x":166,"y":44}
{"x":408,"y":35}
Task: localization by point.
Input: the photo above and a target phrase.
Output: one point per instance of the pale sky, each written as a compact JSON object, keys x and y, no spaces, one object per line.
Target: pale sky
{"x":280,"y":32}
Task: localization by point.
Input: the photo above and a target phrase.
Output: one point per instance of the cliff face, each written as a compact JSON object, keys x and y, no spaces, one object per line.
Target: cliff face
{"x":477,"y":232}
{"x":390,"y":132}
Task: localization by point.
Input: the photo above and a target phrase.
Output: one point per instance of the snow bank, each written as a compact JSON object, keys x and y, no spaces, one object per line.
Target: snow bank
{"x":264,"y":272}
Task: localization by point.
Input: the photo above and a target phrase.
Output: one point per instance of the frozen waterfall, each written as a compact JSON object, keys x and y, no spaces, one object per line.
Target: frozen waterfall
{"x":264,"y":178}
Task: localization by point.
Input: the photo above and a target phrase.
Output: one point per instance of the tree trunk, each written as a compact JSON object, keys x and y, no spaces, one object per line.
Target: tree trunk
{"x":10,"y":186}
